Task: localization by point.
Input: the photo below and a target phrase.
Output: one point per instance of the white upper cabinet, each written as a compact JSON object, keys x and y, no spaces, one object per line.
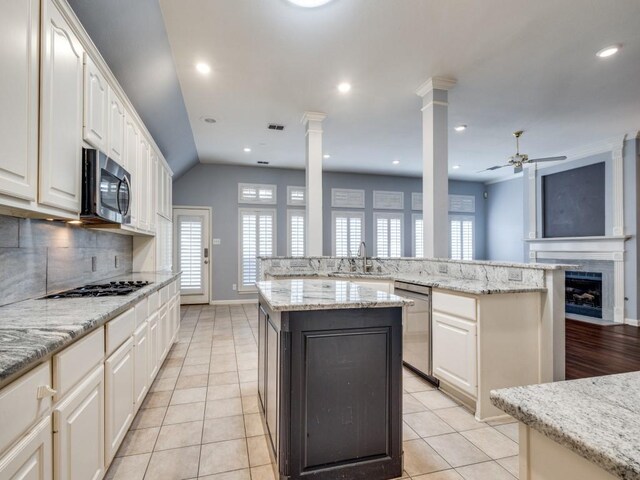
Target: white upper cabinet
{"x":115,"y":134}
{"x":130,"y":161}
{"x":61,"y":112}
{"x":19,"y":57}
{"x":153,"y":189}
{"x":142,"y":184}
{"x":96,"y":105}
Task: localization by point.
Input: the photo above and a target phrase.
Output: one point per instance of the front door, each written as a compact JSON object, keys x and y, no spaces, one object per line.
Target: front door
{"x":193,"y":252}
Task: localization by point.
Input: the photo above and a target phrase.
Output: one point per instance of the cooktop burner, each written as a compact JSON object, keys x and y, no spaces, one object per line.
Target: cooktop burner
{"x":111,"y":289}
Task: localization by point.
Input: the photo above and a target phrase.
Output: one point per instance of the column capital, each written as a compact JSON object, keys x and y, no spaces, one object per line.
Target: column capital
{"x":436,"y":83}
{"x":312,"y":117}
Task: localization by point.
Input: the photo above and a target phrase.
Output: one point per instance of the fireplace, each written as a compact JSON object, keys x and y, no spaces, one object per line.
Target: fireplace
{"x":583,"y":293}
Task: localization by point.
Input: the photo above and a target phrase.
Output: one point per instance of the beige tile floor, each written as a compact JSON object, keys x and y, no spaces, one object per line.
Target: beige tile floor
{"x":201,"y":421}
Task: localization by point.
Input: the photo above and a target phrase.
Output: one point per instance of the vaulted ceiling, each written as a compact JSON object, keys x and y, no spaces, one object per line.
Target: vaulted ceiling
{"x":519,"y":64}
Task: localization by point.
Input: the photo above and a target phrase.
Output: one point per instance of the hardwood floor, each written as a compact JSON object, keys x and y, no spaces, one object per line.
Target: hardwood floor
{"x":594,"y":350}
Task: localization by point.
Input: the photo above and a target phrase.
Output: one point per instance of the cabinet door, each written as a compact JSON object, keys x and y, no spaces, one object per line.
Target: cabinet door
{"x":130,"y":163}
{"x":153,"y":190}
{"x":142,"y":183}
{"x":61,"y":112}
{"x":272,"y":384}
{"x":141,"y":364}
{"x":115,"y":134}
{"x":19,"y":83}
{"x":455,"y":352}
{"x":31,"y":458}
{"x":119,"y":400}
{"x":262,"y":351}
{"x":96,"y":105}
{"x":78,"y":431}
{"x":163,"y":334}
{"x":153,"y":347}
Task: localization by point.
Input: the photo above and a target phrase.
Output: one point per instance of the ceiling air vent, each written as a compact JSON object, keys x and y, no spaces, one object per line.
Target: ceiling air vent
{"x":275,"y":126}
{"x":262,"y":162}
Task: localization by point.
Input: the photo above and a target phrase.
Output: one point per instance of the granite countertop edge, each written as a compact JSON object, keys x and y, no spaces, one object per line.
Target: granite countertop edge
{"x":68,"y":335}
{"x":551,"y":429}
{"x":457,"y":285}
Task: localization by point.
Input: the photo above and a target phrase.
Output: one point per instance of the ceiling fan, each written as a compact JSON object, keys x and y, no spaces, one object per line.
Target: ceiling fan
{"x":519,"y":159}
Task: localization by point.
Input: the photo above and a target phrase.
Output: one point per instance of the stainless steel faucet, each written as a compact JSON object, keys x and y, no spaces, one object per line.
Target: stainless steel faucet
{"x":362,"y":252}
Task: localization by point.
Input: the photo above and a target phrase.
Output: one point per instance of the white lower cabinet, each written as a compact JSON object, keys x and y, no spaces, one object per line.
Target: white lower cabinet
{"x":141,"y":364}
{"x":153,"y":347}
{"x":455,"y":352}
{"x":163,"y":334}
{"x":78,"y":431}
{"x":31,"y":458}
{"x":119,"y":398}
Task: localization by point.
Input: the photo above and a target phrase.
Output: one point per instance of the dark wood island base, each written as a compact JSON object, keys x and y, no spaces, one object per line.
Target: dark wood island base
{"x":330,"y":391}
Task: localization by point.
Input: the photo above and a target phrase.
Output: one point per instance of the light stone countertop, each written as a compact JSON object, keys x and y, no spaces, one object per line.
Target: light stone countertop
{"x":597,"y":418}
{"x":32,"y":330}
{"x":313,"y":294}
{"x":474,"y":287}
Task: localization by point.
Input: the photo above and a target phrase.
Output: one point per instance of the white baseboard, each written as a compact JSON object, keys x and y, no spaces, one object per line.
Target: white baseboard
{"x":247,"y":301}
{"x":634,"y":322}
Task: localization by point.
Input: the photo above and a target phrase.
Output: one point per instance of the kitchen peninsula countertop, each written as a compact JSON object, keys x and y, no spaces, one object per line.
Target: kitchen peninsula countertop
{"x":316,"y":294}
{"x":474,"y":287}
{"x":32,"y":330}
{"x":597,"y":418}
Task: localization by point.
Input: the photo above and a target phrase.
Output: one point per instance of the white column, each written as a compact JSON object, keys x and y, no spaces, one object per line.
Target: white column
{"x":435,"y":168}
{"x":313,"y":123}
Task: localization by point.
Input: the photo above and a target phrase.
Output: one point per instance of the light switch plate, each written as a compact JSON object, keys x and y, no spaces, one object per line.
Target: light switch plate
{"x":515,"y":275}
{"x":442,"y":268}
{"x":216,"y":241}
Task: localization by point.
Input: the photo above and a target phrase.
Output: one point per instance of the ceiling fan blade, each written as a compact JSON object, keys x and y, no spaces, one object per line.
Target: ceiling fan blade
{"x":547,"y":159}
{"x":495,"y":167}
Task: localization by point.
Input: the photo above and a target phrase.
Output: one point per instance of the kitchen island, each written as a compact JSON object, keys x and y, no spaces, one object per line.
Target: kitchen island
{"x":330,"y":379}
{"x":586,"y":429}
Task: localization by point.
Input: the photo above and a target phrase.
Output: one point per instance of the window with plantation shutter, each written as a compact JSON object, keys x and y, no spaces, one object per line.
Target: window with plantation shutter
{"x":190,"y":248}
{"x":461,"y":237}
{"x":418,"y":236}
{"x":348,"y":233}
{"x":388,"y":234}
{"x":257,"y":193}
{"x":296,"y":196}
{"x":296,"y":232}
{"x":257,"y":239}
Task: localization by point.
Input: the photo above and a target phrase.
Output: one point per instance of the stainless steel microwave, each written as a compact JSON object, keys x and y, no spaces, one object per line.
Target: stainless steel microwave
{"x":106,"y":189}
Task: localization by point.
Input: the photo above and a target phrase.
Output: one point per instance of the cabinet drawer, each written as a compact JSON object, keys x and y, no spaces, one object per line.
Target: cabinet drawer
{"x":119,"y":330}
{"x":457,"y":305}
{"x":164,"y":295}
{"x":154,"y":303}
{"x":19,"y":404}
{"x":142,"y":312}
{"x":76,"y":361}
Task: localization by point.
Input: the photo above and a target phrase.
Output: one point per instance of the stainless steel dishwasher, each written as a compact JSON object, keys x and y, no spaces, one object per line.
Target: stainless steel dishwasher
{"x":417,"y":352}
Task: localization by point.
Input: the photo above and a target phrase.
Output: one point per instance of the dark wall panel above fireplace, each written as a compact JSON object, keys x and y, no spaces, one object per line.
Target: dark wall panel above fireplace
{"x":573,"y":202}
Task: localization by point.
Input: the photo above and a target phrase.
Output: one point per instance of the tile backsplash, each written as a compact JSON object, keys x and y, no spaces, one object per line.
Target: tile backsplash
{"x":39,"y":257}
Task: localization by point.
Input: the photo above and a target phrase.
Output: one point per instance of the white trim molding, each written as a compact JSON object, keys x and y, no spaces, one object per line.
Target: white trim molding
{"x":607,"y":248}
{"x":436,"y":83}
{"x":617,"y":156}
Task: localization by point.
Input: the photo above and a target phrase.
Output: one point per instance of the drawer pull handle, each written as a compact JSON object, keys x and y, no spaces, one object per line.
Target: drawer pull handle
{"x":45,"y":391}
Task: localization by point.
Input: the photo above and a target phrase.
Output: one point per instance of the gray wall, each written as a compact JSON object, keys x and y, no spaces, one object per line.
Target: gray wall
{"x":505,"y":221}
{"x":39,"y":257}
{"x":216,"y":186}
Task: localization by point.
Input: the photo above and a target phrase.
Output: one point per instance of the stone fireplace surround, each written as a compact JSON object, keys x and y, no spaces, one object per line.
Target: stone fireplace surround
{"x":593,"y":254}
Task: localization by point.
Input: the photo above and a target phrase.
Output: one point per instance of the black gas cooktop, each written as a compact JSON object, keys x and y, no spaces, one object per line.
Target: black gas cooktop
{"x":111,"y":289}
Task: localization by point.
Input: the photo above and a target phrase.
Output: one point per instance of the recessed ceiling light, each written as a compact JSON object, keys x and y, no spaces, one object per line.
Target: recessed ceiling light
{"x":456,"y":167}
{"x":75,"y":222}
{"x":608,"y":51}
{"x":247,"y":150}
{"x":326,"y":155}
{"x":203,"y":68}
{"x":309,"y":3}
{"x":344,"y":87}
{"x":396,"y":162}
{"x":460,"y":128}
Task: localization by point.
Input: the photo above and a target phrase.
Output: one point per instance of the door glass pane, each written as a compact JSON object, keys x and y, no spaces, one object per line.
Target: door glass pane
{"x":190,"y":248}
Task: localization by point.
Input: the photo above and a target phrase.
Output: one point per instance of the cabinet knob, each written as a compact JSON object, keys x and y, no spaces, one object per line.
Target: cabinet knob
{"x":45,"y":391}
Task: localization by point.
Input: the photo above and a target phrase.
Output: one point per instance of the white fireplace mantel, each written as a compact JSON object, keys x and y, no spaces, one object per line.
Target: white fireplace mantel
{"x":608,"y":248}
